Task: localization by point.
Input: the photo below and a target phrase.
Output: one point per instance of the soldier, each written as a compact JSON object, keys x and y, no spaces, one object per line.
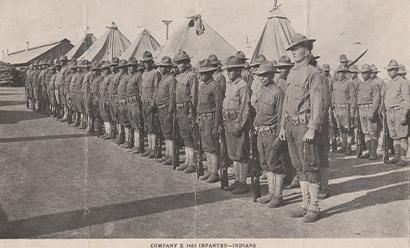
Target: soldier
{"x":122,"y":118}
{"x":112,"y":98}
{"x":209,"y":117}
{"x":28,"y":88}
{"x":368,"y":101}
{"x":163,"y":102}
{"x":51,"y":90}
{"x":396,"y":97}
{"x":186,"y":101}
{"x":150,"y":79}
{"x":37,"y":85}
{"x":44,"y":84}
{"x":283,"y":68}
{"x":104,"y":100}
{"x":38,"y":90}
{"x":84,"y":95}
{"x":235,"y":117}
{"x":92,"y":101}
{"x":254,"y":67}
{"x":343,"y":100}
{"x":133,"y":99}
{"x":267,"y":102}
{"x":300,"y":123}
{"x":61,"y":78}
{"x":218,"y":75}
{"x":71,"y":92}
{"x":66,"y":93}
{"x":402,"y":73}
{"x":245,"y":74}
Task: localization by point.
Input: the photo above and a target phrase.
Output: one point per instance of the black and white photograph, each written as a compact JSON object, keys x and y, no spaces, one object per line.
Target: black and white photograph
{"x":204,"y":123}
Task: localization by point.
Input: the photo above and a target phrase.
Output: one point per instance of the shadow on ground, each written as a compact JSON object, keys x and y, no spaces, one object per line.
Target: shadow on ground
{"x":45,"y":137}
{"x":11,"y":103}
{"x":46,"y":224}
{"x":12,"y":117}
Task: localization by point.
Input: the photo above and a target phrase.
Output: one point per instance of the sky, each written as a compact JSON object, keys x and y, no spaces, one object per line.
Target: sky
{"x":339,"y":26}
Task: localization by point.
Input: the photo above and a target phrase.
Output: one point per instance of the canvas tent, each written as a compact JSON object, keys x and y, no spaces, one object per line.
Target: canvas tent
{"x":144,"y":42}
{"x":49,"y":51}
{"x":111,"y":44}
{"x":81,"y":47}
{"x":275,"y":37}
{"x":198,"y":39}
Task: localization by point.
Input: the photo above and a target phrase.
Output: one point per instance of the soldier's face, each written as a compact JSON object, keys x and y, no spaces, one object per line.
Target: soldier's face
{"x":234,"y":73}
{"x":392,"y":73}
{"x":182,"y":67}
{"x":164,"y":70}
{"x":366,"y":75}
{"x":353,"y":75}
{"x":266,"y":78}
{"x":131,"y":69}
{"x":205,"y":77}
{"x":299,"y":53}
{"x":326,"y":73}
{"x":373,"y":75}
{"x":124,"y":69}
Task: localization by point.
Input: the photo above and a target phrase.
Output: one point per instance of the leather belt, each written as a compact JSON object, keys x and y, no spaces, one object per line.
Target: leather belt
{"x":300,"y":119}
{"x":162,"y":106}
{"x":265,"y":130}
{"x":205,"y":116}
{"x":364,"y":106}
{"x":122,"y":101}
{"x":181,"y":105}
{"x":230,"y":115}
{"x":132,"y":99}
{"x":394,"y":109}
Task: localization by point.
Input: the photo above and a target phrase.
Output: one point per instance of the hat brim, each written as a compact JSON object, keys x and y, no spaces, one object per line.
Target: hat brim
{"x":182,"y":59}
{"x":354,"y":71}
{"x":122,"y":66}
{"x":291,"y":46}
{"x":365,"y":71}
{"x":342,"y":71}
{"x":227,"y":67}
{"x":343,"y":61}
{"x":392,"y":68}
{"x":209,"y":69}
{"x":113,"y":65}
{"x":284,"y":65}
{"x":164,"y":65}
{"x":264,"y":72}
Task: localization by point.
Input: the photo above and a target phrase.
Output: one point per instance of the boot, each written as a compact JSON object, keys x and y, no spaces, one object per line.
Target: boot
{"x":120,"y":137}
{"x":294,"y":183}
{"x":402,"y":161}
{"x":187,"y":160}
{"x":368,"y":146}
{"x":373,"y":150}
{"x":243,"y":174}
{"x":324,"y":183}
{"x":233,"y":186}
{"x":348,"y":150}
{"x":146,"y":153}
{"x":271,"y":182}
{"x":344,"y":142}
{"x":208,"y":172}
{"x":277,"y":199}
{"x":397,"y":153}
{"x":190,"y":169}
{"x":299,"y":212}
{"x":313,"y":211}
{"x":90,"y":128}
{"x":214,"y":176}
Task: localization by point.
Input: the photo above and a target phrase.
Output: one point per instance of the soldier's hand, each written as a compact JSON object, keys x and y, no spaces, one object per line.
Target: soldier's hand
{"x":309,"y":135}
{"x":215,"y":132}
{"x":169,"y":117}
{"x":236,"y":132}
{"x":403,"y":120}
{"x":282,"y":135}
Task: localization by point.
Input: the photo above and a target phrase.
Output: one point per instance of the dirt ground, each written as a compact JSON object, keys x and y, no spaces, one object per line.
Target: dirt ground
{"x":56,"y":182}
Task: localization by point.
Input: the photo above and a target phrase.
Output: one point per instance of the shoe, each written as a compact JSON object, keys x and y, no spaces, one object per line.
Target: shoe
{"x":204,"y":176}
{"x":182,"y":167}
{"x":294,"y":184}
{"x":275,"y":202}
{"x":213,"y":178}
{"x":241,"y":189}
{"x":311,"y":216}
{"x":401,"y":163}
{"x":152,"y":154}
{"x":323,"y":195}
{"x":190,"y":169}
{"x":298,"y":212}
{"x":265,"y":199}
{"x":168,"y":161}
{"x":231,"y":187}
{"x":146,"y":153}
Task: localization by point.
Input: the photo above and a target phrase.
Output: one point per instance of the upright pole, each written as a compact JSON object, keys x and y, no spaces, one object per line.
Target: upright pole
{"x":167,"y":22}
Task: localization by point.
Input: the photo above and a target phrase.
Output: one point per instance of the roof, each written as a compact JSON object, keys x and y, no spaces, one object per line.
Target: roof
{"x":25,"y":56}
{"x":81,"y":46}
{"x":198,"y":39}
{"x":144,"y":42}
{"x":275,"y":37}
{"x":111,"y":44}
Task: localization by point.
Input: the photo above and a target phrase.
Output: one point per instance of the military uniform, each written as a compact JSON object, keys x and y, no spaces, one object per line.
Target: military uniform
{"x":236,"y":113}
{"x":51,"y":95}
{"x":133,"y":101}
{"x":267,"y":102}
{"x":150,"y":78}
{"x":301,"y":120}
{"x":37,"y":87}
{"x":60,"y":88}
{"x":29,"y":89}
{"x":104,"y":106}
{"x":368,"y":101}
{"x":343,"y":98}
{"x":217,"y":75}
{"x":397,"y":104}
{"x":121,"y":111}
{"x":44,"y":90}
{"x":209,"y":119}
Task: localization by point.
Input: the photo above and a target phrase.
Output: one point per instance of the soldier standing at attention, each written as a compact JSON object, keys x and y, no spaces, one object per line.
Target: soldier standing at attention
{"x":236,"y":114}
{"x":343,"y":99}
{"x":85,"y":96}
{"x":254,"y":67}
{"x":209,"y":118}
{"x":112,"y":97}
{"x":218,"y":75}
{"x":301,"y":120}
{"x":116,"y":90}
{"x":267,"y":102}
{"x":382,"y":85}
{"x":186,"y":96}
{"x":163,"y":101}
{"x":92,"y":101}
{"x":245,"y":73}
{"x":61,"y":78}
{"x":368,"y":101}
{"x":150,"y":79}
{"x":397,"y":104}
{"x":135,"y":71}
{"x":104,"y":106}
{"x":402,"y":73}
